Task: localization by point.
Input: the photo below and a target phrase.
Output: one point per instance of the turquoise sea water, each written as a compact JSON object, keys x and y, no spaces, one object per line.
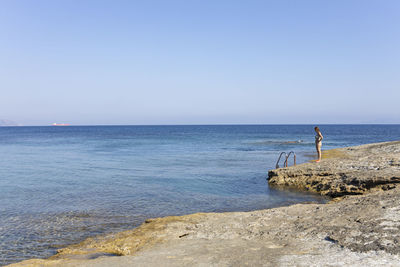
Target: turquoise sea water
{"x":59,"y":185}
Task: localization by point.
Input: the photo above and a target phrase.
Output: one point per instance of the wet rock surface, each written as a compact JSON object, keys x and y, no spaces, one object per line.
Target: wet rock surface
{"x":356,"y":230}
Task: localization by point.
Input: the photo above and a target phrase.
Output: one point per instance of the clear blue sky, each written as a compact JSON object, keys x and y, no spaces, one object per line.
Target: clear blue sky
{"x":199,"y":62}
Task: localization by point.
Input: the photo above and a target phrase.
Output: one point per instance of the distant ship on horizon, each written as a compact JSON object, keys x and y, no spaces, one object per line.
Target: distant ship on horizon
{"x":60,"y":124}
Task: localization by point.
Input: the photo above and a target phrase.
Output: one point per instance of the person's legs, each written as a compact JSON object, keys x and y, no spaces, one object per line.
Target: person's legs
{"x":318,"y":146}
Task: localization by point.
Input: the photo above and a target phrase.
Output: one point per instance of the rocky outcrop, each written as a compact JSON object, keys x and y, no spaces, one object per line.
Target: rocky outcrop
{"x":345,"y":171}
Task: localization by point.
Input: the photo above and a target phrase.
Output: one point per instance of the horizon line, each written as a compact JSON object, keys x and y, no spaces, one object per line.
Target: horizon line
{"x":210,"y":124}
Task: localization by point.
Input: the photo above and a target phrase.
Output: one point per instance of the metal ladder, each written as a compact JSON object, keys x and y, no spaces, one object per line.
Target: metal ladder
{"x":285,"y":163}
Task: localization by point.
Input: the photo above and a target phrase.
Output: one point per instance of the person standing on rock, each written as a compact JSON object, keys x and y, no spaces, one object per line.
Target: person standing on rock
{"x":318,"y":143}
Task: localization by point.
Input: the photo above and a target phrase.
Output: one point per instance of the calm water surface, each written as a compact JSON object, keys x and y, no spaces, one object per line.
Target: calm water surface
{"x":59,"y":185}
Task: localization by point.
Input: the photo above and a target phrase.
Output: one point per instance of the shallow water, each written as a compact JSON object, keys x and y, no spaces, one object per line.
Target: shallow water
{"x":59,"y":185}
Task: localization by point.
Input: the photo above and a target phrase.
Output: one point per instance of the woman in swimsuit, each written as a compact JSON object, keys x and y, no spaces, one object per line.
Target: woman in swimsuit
{"x":318,"y":143}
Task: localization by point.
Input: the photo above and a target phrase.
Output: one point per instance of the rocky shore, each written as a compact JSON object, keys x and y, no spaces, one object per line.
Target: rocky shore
{"x":345,"y":171}
{"x":360,"y":227}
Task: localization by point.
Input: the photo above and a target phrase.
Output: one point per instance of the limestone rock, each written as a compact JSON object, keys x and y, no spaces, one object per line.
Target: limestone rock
{"x":345,"y":171}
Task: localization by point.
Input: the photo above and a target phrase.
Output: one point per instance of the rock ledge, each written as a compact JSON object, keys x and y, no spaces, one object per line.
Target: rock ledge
{"x":345,"y":171}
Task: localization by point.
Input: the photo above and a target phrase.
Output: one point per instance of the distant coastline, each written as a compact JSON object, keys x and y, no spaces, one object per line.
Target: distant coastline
{"x":5,"y":122}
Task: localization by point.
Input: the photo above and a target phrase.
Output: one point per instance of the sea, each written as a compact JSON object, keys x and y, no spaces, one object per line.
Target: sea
{"x":60,"y":185}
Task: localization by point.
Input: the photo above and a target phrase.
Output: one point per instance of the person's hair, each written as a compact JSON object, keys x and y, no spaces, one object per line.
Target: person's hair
{"x":316,"y":129}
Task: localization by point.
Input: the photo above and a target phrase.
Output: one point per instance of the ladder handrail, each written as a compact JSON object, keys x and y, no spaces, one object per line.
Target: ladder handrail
{"x":287,"y":157}
{"x":277,"y":163}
